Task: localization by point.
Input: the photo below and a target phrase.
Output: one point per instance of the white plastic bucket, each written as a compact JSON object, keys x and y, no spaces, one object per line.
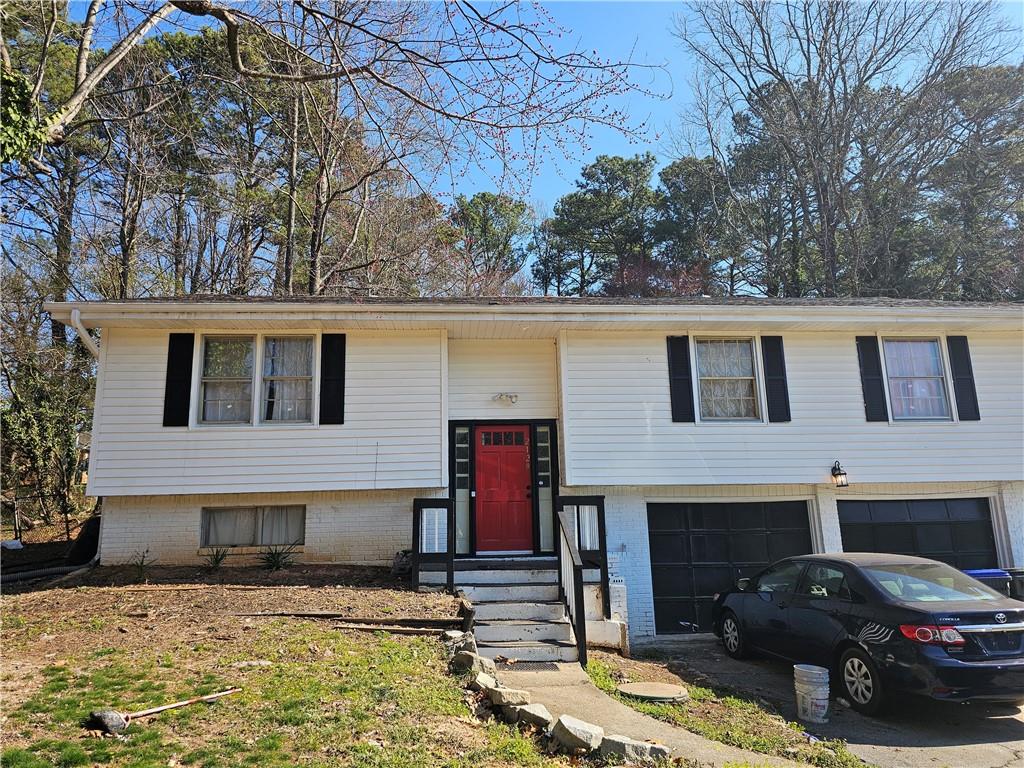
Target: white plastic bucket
{"x":811,"y":684}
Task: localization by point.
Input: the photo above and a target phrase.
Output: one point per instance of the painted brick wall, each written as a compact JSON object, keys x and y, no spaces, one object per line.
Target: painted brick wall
{"x":357,"y":527}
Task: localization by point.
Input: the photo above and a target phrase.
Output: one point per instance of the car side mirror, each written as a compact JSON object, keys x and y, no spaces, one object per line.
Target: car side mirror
{"x":743,"y":585}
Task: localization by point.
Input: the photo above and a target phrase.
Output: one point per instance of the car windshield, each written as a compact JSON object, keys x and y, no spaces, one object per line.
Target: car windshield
{"x":928,"y":583}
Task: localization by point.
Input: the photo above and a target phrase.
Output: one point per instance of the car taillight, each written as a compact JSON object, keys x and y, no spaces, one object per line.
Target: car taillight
{"x":931,"y":635}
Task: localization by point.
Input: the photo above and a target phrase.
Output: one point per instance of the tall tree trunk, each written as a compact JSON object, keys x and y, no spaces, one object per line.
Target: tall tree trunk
{"x":60,"y":276}
{"x":285,"y":281}
{"x":316,"y":236}
{"x":178,"y":243}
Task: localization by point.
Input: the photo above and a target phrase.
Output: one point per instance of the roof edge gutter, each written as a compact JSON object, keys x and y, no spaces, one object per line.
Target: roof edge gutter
{"x":83,"y":334}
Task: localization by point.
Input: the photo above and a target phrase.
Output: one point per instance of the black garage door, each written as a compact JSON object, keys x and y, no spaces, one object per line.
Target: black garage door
{"x":955,"y":531}
{"x":700,"y":549}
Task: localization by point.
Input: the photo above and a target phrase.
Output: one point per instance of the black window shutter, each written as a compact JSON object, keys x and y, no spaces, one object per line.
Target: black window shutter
{"x":178,"y":386}
{"x":680,"y":380}
{"x":871,"y":379}
{"x":332,"y":378}
{"x":963,"y":378}
{"x":775,"y":387}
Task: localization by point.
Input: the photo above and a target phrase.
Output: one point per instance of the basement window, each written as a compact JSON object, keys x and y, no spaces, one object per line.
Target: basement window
{"x":271,"y":526}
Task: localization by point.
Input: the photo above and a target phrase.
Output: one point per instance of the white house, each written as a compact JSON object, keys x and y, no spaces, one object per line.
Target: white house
{"x":688,"y":441}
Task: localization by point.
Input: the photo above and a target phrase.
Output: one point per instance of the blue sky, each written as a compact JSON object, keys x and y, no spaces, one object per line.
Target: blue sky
{"x":640,"y":31}
{"x":619,"y":30}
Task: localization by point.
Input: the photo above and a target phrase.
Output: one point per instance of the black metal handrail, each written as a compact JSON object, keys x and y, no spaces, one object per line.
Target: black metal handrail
{"x":433,"y":554}
{"x":570,"y":583}
{"x":596,"y":559}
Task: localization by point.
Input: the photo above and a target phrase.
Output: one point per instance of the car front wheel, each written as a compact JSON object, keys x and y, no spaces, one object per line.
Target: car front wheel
{"x":861,"y":681}
{"x":732,"y":636}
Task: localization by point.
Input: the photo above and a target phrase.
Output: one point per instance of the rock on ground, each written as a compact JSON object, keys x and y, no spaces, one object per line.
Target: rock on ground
{"x":574,"y":734}
{"x":631,"y":749}
{"x":483,"y":681}
{"x":506,"y":697}
{"x":465,"y":661}
{"x":457,"y":641}
{"x":533,"y":714}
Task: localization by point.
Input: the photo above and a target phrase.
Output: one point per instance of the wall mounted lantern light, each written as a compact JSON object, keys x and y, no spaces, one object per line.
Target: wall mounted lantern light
{"x":839,"y":476}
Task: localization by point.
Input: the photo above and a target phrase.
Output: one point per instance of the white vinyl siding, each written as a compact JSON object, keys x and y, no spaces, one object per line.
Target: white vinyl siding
{"x":618,"y":428}
{"x":391,"y":437}
{"x":478,"y":370}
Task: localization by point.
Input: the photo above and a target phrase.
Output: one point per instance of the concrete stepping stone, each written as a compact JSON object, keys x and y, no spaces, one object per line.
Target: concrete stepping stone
{"x":654,"y":691}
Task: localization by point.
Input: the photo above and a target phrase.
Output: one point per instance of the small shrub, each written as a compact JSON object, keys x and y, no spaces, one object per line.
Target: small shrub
{"x":212,"y":561}
{"x":278,"y":558}
{"x":142,"y":563}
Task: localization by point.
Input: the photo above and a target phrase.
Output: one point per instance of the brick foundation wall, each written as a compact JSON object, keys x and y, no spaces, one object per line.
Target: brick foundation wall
{"x":364,"y":527}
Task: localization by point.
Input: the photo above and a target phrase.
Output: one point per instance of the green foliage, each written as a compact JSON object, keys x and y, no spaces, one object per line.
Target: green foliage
{"x":21,"y":134}
{"x":48,"y":408}
{"x":278,"y":558}
{"x":213,"y":560}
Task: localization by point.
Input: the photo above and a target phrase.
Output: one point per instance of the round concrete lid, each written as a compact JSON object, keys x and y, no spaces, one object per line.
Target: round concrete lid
{"x":655,"y":691}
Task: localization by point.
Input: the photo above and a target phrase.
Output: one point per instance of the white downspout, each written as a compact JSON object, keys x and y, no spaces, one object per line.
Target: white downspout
{"x":76,"y":323}
{"x":83,"y":334}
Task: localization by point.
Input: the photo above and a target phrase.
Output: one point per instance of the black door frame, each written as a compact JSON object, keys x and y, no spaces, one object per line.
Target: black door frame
{"x":471,"y":424}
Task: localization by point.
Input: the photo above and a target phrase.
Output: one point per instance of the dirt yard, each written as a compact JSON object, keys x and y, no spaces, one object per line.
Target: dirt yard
{"x":312,"y":693}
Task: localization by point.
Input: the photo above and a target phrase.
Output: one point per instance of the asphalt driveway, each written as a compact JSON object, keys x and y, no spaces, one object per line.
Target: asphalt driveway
{"x":913,"y":733}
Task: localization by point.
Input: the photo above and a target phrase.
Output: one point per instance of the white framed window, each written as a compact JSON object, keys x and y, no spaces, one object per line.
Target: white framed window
{"x":262,"y":379}
{"x":727,"y":379}
{"x":286,"y":392}
{"x":271,"y":526}
{"x":916,"y":377}
{"x":225,"y":392}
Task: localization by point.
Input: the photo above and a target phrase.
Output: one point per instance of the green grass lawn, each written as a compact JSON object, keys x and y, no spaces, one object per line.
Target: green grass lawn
{"x":731,"y":720}
{"x":328,"y":698}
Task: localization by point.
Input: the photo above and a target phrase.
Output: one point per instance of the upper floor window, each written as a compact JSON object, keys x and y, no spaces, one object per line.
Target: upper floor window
{"x":228,"y":380}
{"x":727,"y":380}
{"x":287,"y":392}
{"x":226,"y":385}
{"x":917,"y":380}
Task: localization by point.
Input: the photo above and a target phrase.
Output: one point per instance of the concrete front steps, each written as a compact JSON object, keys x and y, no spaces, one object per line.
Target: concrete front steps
{"x":518,"y":614}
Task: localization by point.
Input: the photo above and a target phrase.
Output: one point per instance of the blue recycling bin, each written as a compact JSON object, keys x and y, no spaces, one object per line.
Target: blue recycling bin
{"x":996,"y":578}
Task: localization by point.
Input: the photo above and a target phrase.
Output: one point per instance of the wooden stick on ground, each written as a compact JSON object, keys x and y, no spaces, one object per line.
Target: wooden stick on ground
{"x":177,"y":704}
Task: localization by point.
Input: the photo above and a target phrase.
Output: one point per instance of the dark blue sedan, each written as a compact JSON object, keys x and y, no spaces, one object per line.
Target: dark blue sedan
{"x":882,"y":624}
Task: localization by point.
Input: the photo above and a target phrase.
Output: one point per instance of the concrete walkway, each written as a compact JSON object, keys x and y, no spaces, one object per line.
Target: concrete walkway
{"x":568,"y":691}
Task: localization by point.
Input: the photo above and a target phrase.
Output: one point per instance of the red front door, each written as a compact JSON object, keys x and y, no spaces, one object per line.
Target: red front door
{"x":504,"y":509}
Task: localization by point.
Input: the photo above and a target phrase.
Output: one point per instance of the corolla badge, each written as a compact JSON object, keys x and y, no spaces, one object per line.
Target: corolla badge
{"x":1001,"y":618}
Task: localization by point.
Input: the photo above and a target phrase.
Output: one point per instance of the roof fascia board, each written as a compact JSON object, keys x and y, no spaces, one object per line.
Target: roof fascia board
{"x":101,"y":314}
